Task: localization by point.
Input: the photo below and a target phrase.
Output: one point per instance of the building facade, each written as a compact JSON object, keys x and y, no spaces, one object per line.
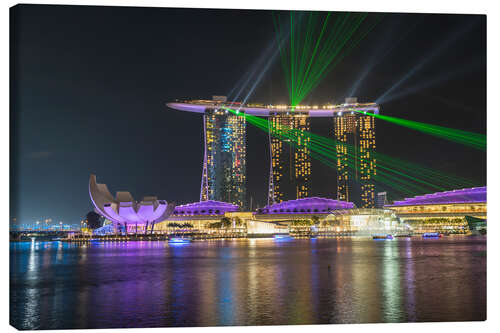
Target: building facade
{"x":445,"y":212}
{"x":381,"y":200}
{"x":224,"y":165}
{"x":356,"y":163}
{"x":126,"y":214}
{"x":290,"y":169}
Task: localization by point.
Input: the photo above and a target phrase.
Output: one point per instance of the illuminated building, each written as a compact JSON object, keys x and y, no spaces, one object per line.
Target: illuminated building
{"x":366,"y":222}
{"x":328,"y":216}
{"x":127,"y":215}
{"x":442,"y":211}
{"x":333,"y":217}
{"x":223,"y":177}
{"x":224,"y":161}
{"x":204,"y":208}
{"x":198,"y":214}
{"x":356,"y":164}
{"x":255,"y":227}
{"x":290,"y":170}
{"x":381,"y":200}
{"x":312,"y":205}
{"x":224,"y":166}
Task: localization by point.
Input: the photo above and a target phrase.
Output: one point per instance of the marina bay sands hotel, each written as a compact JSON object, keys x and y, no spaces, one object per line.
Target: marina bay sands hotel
{"x":224,"y":162}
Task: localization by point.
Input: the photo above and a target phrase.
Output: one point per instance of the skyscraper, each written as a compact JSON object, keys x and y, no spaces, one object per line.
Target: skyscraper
{"x":356,"y":164}
{"x":290,"y":171}
{"x":224,"y":164}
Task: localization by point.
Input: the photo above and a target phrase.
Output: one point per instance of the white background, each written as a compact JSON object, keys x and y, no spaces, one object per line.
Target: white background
{"x":491,"y":8}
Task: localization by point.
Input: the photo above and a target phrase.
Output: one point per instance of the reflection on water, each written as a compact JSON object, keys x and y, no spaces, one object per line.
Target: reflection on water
{"x":246,"y":282}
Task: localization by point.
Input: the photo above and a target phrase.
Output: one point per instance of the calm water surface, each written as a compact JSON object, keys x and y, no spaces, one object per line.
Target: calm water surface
{"x":246,"y":282}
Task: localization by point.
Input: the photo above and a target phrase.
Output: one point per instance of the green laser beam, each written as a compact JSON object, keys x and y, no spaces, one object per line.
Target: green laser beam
{"x":471,"y":139}
{"x":316,"y":45}
{"x":326,"y":150}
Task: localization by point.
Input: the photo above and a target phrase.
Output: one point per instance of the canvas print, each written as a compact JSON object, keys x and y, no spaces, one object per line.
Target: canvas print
{"x":228,"y":167}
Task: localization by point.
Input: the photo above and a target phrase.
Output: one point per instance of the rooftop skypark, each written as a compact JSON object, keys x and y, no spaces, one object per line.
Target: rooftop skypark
{"x":264,"y":110}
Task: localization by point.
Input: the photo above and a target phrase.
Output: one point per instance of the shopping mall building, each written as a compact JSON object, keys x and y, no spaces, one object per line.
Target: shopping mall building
{"x":326,"y":215}
{"x":457,"y":211}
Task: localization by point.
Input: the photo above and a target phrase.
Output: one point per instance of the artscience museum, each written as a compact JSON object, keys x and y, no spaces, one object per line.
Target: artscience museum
{"x":127,"y":214}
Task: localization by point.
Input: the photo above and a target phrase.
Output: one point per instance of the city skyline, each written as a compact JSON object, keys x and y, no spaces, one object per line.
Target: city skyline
{"x":97,"y":112}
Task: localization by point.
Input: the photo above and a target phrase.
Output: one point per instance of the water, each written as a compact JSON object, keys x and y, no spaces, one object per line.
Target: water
{"x":246,"y":282}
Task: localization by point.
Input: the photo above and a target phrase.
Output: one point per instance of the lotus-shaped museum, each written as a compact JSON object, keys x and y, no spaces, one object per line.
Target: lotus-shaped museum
{"x":123,"y":209}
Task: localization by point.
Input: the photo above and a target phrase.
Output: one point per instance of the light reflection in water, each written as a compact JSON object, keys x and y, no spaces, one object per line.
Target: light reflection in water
{"x":409,"y":280}
{"x":246,"y":282}
{"x":31,"y":316}
{"x":392,"y":288}
{"x":59,"y":251}
{"x":252,"y":281}
{"x":224,"y":298}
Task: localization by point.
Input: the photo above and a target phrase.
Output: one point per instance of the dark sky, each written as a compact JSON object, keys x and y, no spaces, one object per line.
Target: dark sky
{"x":89,"y":87}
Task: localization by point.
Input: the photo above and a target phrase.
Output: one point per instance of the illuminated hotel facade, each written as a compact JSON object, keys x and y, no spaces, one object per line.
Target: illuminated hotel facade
{"x":224,"y":166}
{"x":356,"y":164}
{"x":290,"y":169}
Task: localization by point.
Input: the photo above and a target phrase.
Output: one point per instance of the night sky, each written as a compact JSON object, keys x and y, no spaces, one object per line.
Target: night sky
{"x":89,"y":87}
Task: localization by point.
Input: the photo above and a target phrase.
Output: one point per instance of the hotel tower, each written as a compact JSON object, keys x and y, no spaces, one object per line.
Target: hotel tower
{"x":224,"y":163}
{"x":356,"y":166}
{"x":290,"y":169}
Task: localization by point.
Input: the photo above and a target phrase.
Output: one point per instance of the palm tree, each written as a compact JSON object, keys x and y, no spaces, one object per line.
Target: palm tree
{"x":225,"y":222}
{"x":214,"y":225}
{"x":315,"y":220}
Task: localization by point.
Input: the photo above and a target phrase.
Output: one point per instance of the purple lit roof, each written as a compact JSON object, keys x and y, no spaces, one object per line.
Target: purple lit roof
{"x":306,"y":205}
{"x":209,"y":207}
{"x":466,"y":195}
